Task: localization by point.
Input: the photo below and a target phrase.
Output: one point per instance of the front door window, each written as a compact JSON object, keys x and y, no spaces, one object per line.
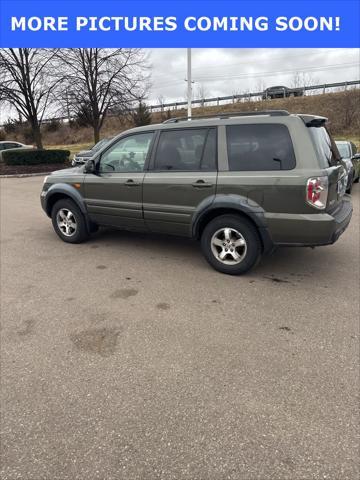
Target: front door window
{"x":127,"y":155}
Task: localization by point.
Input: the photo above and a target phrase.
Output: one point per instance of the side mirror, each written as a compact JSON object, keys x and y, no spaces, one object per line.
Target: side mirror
{"x":90,"y":166}
{"x":356,"y":156}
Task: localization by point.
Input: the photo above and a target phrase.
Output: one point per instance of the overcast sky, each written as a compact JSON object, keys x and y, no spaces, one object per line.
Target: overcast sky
{"x":220,"y":72}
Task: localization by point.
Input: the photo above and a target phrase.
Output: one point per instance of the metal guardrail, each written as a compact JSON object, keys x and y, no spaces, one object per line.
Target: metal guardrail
{"x":217,"y":100}
{"x":232,"y":98}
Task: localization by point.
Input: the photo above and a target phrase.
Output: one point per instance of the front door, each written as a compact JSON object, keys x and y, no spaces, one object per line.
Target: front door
{"x":114,"y":195}
{"x":182,"y":174}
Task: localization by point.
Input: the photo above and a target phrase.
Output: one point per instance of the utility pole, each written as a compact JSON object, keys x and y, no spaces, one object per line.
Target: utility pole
{"x":189,"y":85}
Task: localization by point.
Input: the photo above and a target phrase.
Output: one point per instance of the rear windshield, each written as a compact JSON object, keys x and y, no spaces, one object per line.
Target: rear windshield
{"x":325,"y":146}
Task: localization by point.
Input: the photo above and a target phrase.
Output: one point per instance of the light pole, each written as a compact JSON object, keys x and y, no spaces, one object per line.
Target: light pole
{"x":189,"y":85}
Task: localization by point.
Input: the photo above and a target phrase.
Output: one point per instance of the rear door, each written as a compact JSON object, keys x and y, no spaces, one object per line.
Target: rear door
{"x":114,"y":195}
{"x":260,"y":167}
{"x":183,"y":173}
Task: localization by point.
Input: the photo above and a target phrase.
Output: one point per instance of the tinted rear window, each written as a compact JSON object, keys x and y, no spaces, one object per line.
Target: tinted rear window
{"x":186,"y":150}
{"x":324,"y":146}
{"x":259,"y":147}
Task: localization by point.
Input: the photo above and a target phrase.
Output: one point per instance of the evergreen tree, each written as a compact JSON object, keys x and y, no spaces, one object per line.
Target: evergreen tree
{"x":141,"y":116}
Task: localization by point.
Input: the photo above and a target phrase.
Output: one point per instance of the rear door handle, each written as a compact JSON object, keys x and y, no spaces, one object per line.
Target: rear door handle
{"x":201,"y":184}
{"x":131,"y":183}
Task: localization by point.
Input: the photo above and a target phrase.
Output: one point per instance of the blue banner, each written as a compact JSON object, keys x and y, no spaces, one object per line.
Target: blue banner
{"x":160,"y":23}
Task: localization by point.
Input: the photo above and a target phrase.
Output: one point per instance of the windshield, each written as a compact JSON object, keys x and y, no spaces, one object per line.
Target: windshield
{"x":344,"y":150}
{"x":325,"y":146}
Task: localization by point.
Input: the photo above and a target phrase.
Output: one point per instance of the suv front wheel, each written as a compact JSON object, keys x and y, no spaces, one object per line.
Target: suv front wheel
{"x":69,"y":222}
{"x":231,"y":244}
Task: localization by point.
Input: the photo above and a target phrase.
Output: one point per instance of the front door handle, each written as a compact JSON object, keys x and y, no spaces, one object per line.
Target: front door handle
{"x":131,"y":183}
{"x":202,"y":184}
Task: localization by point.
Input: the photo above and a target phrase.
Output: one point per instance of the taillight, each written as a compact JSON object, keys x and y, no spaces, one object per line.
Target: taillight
{"x":317,"y":192}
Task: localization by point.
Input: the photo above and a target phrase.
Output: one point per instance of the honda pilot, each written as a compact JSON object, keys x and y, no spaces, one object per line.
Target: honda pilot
{"x":240,"y":183}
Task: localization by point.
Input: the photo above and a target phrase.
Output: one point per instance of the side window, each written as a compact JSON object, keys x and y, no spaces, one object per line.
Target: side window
{"x":259,"y":147}
{"x":186,"y":150}
{"x":12,"y":145}
{"x":127,"y":155}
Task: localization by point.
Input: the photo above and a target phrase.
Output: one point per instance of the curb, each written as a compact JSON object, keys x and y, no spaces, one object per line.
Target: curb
{"x":24,"y":175}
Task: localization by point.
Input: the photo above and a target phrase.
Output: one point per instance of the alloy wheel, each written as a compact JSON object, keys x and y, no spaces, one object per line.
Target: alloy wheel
{"x":66,"y":222}
{"x":228,"y":246}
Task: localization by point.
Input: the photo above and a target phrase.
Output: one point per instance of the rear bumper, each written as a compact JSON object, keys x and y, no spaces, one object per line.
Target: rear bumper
{"x":310,"y":229}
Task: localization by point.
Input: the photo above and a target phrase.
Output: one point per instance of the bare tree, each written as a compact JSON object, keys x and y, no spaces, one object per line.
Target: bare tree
{"x":296,"y":80}
{"x":349,"y":102}
{"x":103,"y":80}
{"x":26,"y":84}
{"x":302,"y":79}
{"x":161,"y":100}
{"x":260,"y":85}
{"x":241,"y":95}
{"x":201,"y":94}
{"x":164,"y":114}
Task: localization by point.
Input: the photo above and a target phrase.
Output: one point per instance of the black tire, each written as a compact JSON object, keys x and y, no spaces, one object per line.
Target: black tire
{"x":248,"y":232}
{"x":348,"y":190}
{"x":80,"y":233}
{"x":357,"y":180}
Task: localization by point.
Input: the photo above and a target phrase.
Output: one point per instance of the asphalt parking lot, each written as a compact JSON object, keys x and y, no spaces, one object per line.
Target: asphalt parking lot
{"x":128,"y":357}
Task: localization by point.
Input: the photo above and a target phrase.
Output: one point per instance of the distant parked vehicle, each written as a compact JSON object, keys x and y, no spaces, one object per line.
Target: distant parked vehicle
{"x":282,"y":92}
{"x":81,"y":157}
{"x":356,"y":163}
{"x":8,"y":144}
{"x":351,"y":161}
{"x":11,"y":145}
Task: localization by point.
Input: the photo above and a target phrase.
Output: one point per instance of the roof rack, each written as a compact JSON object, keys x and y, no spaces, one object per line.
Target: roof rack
{"x":271,"y":113}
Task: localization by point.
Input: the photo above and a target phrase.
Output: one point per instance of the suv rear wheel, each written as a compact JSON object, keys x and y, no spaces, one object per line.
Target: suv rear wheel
{"x":69,"y":222}
{"x":231,"y":244}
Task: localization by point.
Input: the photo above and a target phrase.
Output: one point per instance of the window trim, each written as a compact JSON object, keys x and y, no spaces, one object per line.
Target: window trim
{"x":152,"y":168}
{"x":256,"y":124}
{"x":124,"y":137}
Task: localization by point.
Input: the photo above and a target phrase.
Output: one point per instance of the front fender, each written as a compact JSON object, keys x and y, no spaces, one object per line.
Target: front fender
{"x":66,"y":190}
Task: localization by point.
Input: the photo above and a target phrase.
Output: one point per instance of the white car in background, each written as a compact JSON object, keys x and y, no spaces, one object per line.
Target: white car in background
{"x":12,"y":145}
{"x":8,"y":144}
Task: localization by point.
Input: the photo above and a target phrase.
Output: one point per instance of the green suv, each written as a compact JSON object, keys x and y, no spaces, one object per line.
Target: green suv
{"x":240,"y":183}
